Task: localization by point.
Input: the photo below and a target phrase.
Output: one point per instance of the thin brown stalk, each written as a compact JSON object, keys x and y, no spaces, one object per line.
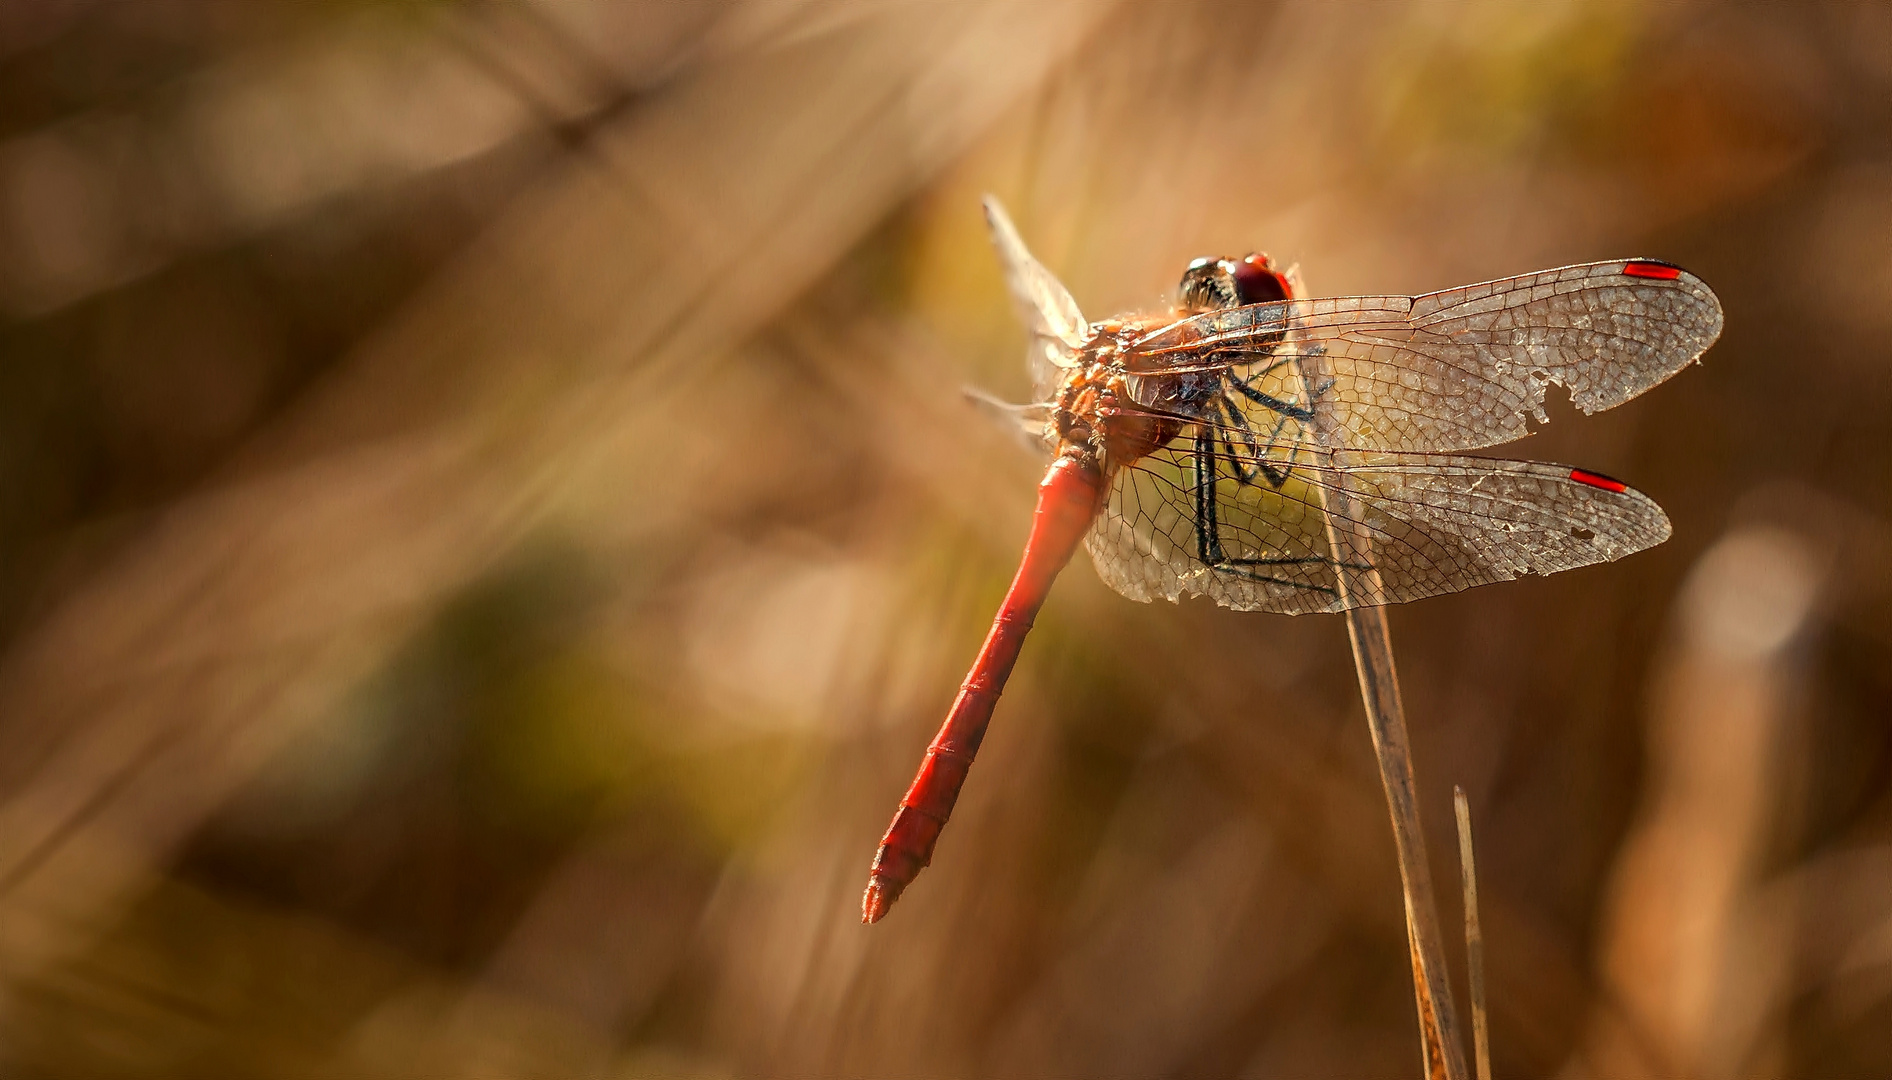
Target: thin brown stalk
{"x":1361,"y":592}
{"x":1379,"y":688}
{"x":1474,"y":934}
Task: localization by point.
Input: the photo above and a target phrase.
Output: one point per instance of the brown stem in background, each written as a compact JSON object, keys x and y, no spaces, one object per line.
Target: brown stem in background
{"x":1357,"y":585}
{"x":1379,"y":689}
{"x":1474,"y":934}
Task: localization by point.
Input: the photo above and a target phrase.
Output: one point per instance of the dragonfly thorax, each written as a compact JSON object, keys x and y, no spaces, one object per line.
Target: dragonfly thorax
{"x":1097,"y":417}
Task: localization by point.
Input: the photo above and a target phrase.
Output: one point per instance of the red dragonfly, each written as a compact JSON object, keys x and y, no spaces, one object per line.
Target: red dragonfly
{"x":1275,"y":453}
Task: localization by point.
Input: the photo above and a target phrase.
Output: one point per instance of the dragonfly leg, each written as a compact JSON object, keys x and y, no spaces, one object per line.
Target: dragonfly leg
{"x":1244,"y":450}
{"x":1244,"y":466}
{"x":1209,"y":528}
{"x":1208,"y":532}
{"x":1276,"y":477}
{"x":1285,"y":410}
{"x":1294,"y":560}
{"x":1270,"y":369}
{"x":1303,"y":413}
{"x":1236,"y":568}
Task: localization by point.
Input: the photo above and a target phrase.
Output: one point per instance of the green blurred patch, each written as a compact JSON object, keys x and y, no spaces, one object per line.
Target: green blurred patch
{"x":558,"y":739}
{"x":1497,"y":77}
{"x":1104,"y":728}
{"x":566,"y":741}
{"x":426,"y":810}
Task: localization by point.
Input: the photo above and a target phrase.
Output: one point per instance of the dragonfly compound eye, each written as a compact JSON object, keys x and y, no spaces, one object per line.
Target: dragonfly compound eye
{"x":1208,"y":285}
{"x":1256,"y":281}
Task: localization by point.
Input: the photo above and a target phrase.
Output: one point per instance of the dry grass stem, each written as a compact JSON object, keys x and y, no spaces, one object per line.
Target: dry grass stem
{"x":1474,"y":935}
{"x":1351,"y":543}
{"x":1379,"y":689}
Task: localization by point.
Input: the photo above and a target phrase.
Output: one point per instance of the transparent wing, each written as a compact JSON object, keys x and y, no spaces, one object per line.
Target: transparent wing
{"x":1249,"y":531}
{"x":1454,"y":370}
{"x":1058,"y":328}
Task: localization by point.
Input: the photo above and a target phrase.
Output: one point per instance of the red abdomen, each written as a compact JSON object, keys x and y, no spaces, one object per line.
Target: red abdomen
{"x":1068,"y":499}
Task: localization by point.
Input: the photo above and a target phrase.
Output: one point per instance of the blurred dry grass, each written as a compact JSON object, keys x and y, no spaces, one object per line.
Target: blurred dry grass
{"x":489,"y":521}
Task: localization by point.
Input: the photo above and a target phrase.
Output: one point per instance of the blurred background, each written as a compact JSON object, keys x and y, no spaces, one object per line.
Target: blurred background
{"x":489,"y":521}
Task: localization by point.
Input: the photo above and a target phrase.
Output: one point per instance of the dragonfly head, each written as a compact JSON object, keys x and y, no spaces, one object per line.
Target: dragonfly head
{"x":1212,"y":284}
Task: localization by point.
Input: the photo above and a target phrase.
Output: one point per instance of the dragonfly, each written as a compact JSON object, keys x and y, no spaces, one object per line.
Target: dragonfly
{"x":1275,"y":452}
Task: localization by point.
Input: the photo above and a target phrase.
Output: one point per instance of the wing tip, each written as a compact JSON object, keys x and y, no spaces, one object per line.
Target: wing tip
{"x":1654,"y":527}
{"x":1661,"y":271}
